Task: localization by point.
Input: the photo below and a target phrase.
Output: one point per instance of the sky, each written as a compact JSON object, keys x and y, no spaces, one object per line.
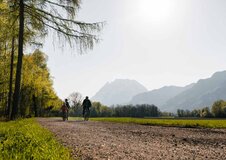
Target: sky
{"x":156,"y":42}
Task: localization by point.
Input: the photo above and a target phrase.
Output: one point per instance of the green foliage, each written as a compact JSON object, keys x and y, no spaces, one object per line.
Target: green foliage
{"x":36,"y":82}
{"x":141,"y":110}
{"x":100,"y":110}
{"x":219,"y":109}
{"x":206,"y":123}
{"x":8,"y":24}
{"x":26,"y":139}
{"x":202,"y":113}
{"x":205,"y":113}
{"x":4,"y":79}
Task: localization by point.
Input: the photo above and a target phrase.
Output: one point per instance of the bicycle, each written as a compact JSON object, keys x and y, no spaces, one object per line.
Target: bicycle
{"x":64,"y":116}
{"x":86,"y":114}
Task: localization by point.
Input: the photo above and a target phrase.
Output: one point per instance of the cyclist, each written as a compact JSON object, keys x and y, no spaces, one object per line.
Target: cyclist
{"x":86,"y":105}
{"x":68,"y":107}
{"x":64,"y":110}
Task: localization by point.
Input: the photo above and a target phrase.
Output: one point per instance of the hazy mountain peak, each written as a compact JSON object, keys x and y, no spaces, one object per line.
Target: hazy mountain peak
{"x":119,"y":91}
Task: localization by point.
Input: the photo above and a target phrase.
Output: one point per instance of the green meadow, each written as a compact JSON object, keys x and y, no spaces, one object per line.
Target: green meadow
{"x":189,"y":123}
{"x":26,"y":139}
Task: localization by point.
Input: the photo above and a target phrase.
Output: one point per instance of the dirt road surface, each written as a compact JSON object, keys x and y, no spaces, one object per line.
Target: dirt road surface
{"x":105,"y":140}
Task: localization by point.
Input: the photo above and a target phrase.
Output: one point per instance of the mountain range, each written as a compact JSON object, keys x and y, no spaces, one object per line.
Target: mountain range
{"x":169,"y":98}
{"x":201,"y":94}
{"x":159,"y":96}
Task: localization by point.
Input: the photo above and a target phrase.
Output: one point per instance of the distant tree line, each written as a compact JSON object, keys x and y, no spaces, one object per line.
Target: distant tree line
{"x":217,"y":110}
{"x":141,"y":110}
{"x":100,"y":110}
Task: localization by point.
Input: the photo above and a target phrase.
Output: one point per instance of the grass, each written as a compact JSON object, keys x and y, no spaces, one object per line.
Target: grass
{"x":189,"y":123}
{"x":26,"y":139}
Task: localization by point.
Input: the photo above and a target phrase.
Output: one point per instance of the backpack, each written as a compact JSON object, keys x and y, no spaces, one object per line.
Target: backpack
{"x":86,"y":103}
{"x":64,"y":108}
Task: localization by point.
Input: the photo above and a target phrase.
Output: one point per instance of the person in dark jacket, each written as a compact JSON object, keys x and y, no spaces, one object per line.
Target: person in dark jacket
{"x":68,"y":107}
{"x":64,"y":110}
{"x":86,"y":105}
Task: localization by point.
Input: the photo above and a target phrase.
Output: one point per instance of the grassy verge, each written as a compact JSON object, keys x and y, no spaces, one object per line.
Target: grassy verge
{"x":26,"y":139}
{"x":190,"y":123}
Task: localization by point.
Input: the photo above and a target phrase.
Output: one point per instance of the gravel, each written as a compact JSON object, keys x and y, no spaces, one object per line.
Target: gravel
{"x":105,"y":140}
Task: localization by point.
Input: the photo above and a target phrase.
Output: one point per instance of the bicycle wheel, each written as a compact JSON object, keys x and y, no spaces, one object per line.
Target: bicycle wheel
{"x":86,"y":115}
{"x":64,"y":116}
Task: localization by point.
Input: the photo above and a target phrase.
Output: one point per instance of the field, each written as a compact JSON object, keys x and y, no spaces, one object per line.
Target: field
{"x":189,"y":123}
{"x":26,"y":139}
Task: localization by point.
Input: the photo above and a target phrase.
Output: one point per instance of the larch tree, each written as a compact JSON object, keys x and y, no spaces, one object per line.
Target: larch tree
{"x":38,"y":17}
{"x":6,"y":42}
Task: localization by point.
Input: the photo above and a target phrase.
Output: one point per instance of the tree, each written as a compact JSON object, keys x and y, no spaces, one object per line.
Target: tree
{"x":219,"y":108}
{"x":8,"y":32}
{"x":11,"y":79}
{"x":37,"y":93}
{"x":142,"y":110}
{"x":205,"y":113}
{"x":16,"y":95}
{"x":41,"y":15}
{"x":195,"y":113}
{"x":100,"y":110}
{"x":76,"y":99}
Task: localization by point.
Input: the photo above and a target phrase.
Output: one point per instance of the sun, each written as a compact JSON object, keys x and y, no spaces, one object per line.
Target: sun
{"x":155,"y":11}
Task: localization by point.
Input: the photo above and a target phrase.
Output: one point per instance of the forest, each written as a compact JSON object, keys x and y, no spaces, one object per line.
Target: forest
{"x":37,"y":93}
{"x":26,"y":85}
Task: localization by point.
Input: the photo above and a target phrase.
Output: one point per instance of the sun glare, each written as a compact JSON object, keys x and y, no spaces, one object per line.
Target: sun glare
{"x":155,"y":11}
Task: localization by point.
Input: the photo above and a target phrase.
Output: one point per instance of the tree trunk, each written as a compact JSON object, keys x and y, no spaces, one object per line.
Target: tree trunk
{"x":10,"y":80}
{"x":35,"y":105}
{"x":16,"y":97}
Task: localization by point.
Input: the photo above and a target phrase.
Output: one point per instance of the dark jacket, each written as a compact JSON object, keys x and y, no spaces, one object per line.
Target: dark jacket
{"x":67,"y":104}
{"x":86,"y":103}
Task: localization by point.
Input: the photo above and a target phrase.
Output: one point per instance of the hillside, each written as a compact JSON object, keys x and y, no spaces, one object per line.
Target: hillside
{"x":119,"y":91}
{"x":158,"y":96}
{"x":202,"y":94}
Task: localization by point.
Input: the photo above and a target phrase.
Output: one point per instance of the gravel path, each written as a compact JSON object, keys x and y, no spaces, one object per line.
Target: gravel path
{"x":105,"y":140}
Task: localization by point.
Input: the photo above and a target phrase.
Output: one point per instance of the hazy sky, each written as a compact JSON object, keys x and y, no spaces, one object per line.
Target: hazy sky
{"x":156,"y":42}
